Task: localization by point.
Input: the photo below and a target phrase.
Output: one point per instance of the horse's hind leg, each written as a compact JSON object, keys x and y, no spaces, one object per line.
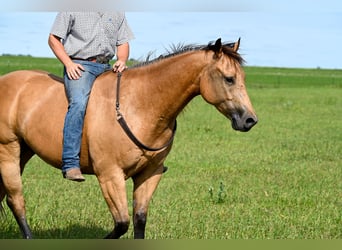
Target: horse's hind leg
{"x":25,"y":156}
{"x":11,"y":180}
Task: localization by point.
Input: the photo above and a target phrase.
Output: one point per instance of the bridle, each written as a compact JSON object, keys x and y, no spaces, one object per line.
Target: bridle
{"x":128,"y":131}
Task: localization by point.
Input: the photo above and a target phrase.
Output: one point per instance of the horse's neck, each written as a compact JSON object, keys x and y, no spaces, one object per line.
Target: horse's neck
{"x":171,"y":83}
{"x":152,"y":96}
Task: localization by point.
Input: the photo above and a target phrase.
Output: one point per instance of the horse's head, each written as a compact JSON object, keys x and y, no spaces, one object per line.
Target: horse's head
{"x":222,"y":84}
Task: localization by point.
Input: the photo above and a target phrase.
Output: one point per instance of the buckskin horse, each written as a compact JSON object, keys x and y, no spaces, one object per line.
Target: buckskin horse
{"x":129,"y":124}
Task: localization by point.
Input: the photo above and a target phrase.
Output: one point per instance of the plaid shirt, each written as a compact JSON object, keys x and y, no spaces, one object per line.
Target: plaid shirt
{"x":90,"y":34}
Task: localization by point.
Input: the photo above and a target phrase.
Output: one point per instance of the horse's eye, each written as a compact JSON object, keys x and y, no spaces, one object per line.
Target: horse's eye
{"x":229,"y":80}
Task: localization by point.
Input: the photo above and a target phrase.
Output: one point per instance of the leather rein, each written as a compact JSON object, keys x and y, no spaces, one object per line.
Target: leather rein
{"x":128,"y":131}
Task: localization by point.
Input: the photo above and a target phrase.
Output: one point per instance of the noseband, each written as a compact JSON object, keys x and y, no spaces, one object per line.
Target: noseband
{"x":128,"y":131}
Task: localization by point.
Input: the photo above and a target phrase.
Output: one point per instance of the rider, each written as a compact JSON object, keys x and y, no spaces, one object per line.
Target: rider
{"x":85,"y":42}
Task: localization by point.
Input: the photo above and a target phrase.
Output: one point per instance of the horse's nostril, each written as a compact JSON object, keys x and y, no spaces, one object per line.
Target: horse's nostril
{"x":251,"y":122}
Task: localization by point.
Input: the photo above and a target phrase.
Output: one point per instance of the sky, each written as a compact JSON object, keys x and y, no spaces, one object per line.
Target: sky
{"x":307,"y":37}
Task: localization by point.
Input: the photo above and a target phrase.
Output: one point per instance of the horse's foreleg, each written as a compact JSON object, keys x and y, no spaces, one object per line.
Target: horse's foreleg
{"x":144,"y":186}
{"x":114,"y":192}
{"x":11,"y":181}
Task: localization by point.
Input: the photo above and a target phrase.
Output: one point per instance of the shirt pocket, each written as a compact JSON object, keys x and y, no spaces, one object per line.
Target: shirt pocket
{"x":111,"y":32}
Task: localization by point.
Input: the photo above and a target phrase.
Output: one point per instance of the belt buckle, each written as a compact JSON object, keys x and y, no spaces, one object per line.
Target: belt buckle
{"x":102,"y":59}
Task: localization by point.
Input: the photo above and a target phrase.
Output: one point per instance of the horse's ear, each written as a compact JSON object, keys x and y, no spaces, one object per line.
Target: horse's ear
{"x":236,"y":45}
{"x":218,"y":48}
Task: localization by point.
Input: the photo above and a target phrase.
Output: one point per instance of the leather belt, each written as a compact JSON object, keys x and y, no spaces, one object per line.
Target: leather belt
{"x":95,"y":59}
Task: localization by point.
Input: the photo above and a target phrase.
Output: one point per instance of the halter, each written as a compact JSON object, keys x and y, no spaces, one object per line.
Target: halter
{"x":128,"y":131}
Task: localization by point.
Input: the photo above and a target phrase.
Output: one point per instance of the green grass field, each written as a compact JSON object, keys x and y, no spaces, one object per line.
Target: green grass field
{"x":281,"y":180}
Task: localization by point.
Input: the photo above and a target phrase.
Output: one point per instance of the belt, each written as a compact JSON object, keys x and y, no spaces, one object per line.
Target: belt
{"x":95,"y":59}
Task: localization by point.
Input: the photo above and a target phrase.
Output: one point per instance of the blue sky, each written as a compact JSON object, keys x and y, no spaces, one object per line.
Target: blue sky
{"x":306,"y":37}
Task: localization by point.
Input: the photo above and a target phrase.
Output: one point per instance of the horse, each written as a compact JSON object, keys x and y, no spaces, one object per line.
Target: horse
{"x":129,"y":123}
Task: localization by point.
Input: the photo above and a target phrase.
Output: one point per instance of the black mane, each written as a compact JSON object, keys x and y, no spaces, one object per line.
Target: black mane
{"x":227,"y":48}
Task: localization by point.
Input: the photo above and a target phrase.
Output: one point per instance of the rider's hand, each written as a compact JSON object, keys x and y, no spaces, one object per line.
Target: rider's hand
{"x":74,"y":70}
{"x":119,"y":66}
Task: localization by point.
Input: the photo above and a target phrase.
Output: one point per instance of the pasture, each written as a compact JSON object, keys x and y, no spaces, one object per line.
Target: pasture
{"x":281,"y":180}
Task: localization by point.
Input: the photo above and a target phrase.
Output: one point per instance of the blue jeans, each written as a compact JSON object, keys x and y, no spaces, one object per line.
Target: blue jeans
{"x":77,"y":92}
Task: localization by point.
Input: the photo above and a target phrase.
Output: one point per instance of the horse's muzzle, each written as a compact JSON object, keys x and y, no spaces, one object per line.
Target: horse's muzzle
{"x":243,"y":123}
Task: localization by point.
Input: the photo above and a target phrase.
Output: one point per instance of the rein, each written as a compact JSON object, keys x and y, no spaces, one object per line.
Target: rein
{"x":128,"y":131}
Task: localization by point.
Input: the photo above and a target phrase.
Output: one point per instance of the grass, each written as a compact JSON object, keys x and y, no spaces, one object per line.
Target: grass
{"x":281,"y":180}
